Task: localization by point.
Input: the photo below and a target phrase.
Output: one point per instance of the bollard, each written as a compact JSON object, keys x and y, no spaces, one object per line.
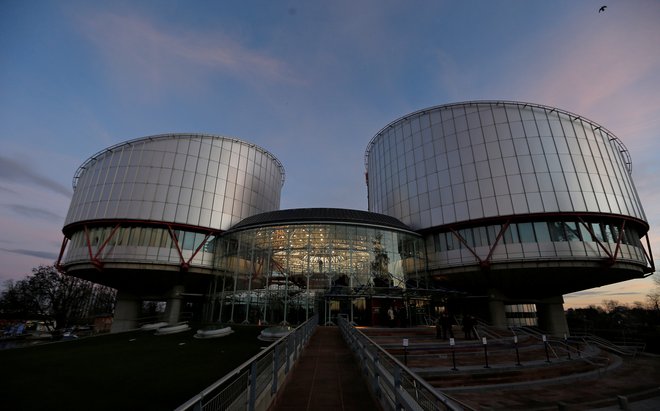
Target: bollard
{"x":452,"y":343}
{"x":405,"y":352}
{"x":568,"y":347}
{"x":545,"y":344}
{"x":485,"y":342}
{"x":515,"y":343}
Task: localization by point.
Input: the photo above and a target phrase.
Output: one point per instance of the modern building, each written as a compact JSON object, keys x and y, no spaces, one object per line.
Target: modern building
{"x":146,"y":215}
{"x":353,"y":262}
{"x":518,"y":203}
{"x":489,"y":208}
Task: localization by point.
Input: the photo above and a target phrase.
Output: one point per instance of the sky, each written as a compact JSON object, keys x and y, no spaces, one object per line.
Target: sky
{"x":310,"y":81}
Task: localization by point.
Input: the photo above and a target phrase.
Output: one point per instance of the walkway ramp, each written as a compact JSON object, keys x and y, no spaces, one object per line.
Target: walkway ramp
{"x":327,"y":377}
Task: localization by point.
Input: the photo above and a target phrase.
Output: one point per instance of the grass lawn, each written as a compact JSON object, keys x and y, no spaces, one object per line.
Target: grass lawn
{"x":136,"y":370}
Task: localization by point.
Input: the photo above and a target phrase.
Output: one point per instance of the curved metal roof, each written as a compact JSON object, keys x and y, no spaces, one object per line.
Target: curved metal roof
{"x":101,"y":153}
{"x":320,"y":215}
{"x":613,"y":138}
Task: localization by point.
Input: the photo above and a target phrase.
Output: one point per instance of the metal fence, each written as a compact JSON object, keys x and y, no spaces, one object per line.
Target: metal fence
{"x":254,"y":384}
{"x":393,"y":385}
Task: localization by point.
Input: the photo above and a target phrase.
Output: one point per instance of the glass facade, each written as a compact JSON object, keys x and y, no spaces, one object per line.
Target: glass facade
{"x":568,"y":239}
{"x":476,"y":160}
{"x":326,"y":255}
{"x":521,"y":315}
{"x":143,"y":245}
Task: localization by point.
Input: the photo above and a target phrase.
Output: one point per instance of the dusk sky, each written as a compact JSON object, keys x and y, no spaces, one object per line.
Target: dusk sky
{"x":310,"y":81}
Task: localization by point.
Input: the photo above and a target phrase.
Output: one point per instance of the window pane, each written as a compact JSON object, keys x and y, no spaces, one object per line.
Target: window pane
{"x":526,"y":232}
{"x":511,"y":235}
{"x":468,"y":237}
{"x":542,"y":233}
{"x":572,"y":232}
{"x":480,"y":236}
{"x":452,"y":242}
{"x":597,"y":231}
{"x":556,"y":231}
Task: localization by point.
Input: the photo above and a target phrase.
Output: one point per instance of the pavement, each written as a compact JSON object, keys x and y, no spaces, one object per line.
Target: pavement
{"x":327,"y":377}
{"x":651,"y":404}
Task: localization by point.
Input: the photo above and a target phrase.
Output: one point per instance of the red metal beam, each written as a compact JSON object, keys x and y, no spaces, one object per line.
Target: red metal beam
{"x":198,"y":248}
{"x":497,"y":240}
{"x":467,"y":246}
{"x":132,"y":222}
{"x":58,"y":264}
{"x":105,"y":243}
{"x":98,"y":264}
{"x":175,"y":240}
{"x":593,"y":236}
{"x":649,"y":254}
{"x":618,"y":241}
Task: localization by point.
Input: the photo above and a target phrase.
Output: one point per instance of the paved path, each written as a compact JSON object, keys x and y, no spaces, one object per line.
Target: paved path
{"x":327,"y":377}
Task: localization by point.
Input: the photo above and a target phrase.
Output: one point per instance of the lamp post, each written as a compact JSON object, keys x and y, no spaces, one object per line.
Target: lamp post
{"x":452,"y":344}
{"x":405,"y":351}
{"x":485,"y":343}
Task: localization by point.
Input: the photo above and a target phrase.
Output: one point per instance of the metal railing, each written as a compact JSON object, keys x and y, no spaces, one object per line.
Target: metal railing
{"x":627,"y":348}
{"x":254,"y":384}
{"x":393,"y":385}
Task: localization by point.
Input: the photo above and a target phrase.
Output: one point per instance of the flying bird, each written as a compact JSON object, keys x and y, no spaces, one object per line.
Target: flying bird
{"x":602,"y":9}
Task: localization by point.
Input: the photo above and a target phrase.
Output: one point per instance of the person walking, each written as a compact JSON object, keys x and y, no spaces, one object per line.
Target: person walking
{"x":445,"y":321}
{"x":468,"y":327}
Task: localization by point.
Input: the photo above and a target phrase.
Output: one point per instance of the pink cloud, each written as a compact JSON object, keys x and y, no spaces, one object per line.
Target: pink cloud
{"x":606,"y":69}
{"x":155,"y":57}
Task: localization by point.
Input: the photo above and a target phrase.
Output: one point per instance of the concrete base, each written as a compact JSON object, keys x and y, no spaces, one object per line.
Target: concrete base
{"x":173,"y":309}
{"x":550,"y":313}
{"x":126,"y":314}
{"x":496,"y":308}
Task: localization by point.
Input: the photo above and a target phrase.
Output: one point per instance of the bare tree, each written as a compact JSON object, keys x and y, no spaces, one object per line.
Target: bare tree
{"x":59,"y":300}
{"x":653,"y":296}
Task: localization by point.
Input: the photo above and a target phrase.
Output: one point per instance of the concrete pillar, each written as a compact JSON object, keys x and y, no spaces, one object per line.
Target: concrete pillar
{"x":127,"y":310}
{"x":173,"y":308}
{"x":550,"y":313}
{"x":496,"y":308}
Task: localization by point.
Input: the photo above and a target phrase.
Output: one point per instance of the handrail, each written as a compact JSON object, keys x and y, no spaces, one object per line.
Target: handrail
{"x":628,"y":349}
{"x":394,"y":385}
{"x":258,"y":371}
{"x":622,"y":349}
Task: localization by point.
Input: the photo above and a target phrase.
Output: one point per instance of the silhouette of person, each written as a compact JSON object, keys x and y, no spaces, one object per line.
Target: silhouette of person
{"x":445,"y":321}
{"x":468,"y":327}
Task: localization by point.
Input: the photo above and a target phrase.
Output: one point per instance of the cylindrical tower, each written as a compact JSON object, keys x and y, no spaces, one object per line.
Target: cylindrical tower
{"x":145,"y":213}
{"x":516,"y":200}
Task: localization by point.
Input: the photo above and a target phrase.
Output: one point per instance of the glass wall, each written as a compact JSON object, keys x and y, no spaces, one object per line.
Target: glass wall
{"x":142,"y":244}
{"x":324,"y":256}
{"x":521,"y":315}
{"x":536,"y":239}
